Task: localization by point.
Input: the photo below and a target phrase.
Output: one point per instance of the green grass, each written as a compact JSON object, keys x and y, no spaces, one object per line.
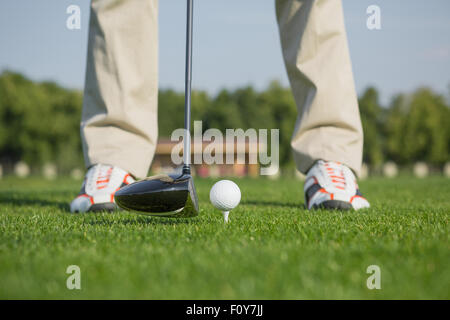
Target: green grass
{"x":271,"y":249}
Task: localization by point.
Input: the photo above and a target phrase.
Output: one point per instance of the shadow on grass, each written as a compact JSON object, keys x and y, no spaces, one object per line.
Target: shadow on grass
{"x":24,"y":199}
{"x":292,"y":205}
{"x":139,"y":219}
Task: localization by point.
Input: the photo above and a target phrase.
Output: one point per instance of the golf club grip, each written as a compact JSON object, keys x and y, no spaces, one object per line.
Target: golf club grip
{"x":187,"y":97}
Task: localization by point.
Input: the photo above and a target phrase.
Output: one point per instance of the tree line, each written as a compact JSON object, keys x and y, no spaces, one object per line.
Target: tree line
{"x":40,"y":121}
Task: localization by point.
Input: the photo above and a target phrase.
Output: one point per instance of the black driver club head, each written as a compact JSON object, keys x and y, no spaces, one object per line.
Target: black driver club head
{"x":161,"y":195}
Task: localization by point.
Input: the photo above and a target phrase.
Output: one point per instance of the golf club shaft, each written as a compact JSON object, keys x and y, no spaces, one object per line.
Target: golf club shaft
{"x":187,"y":94}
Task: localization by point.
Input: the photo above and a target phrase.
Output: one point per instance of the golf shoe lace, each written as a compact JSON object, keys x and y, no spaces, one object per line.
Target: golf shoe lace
{"x":103,"y":177}
{"x":336,"y":175}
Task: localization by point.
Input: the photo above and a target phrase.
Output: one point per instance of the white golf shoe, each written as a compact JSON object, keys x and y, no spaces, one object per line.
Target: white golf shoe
{"x":99,"y":185}
{"x":332,"y":185}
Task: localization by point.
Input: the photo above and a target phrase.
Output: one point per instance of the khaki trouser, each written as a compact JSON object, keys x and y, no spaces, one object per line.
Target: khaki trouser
{"x":119,"y":121}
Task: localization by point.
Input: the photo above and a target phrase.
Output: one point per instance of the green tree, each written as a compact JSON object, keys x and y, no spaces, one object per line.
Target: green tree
{"x":418,"y":128}
{"x":170,"y":112}
{"x":39,"y":123}
{"x":280,"y":112}
{"x":372,"y":122}
{"x":223,"y":113}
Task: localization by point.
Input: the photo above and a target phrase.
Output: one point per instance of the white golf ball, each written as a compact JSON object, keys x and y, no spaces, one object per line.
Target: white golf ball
{"x":225,"y":195}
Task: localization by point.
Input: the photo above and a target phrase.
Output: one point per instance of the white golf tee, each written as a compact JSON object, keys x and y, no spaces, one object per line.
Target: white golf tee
{"x":225,"y":216}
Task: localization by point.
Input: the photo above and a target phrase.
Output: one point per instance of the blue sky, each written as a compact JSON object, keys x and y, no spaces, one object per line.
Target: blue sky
{"x":236,"y":43}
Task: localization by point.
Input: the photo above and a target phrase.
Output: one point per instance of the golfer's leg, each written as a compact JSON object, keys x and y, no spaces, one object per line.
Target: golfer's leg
{"x":317,"y":60}
{"x":119,"y":121}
